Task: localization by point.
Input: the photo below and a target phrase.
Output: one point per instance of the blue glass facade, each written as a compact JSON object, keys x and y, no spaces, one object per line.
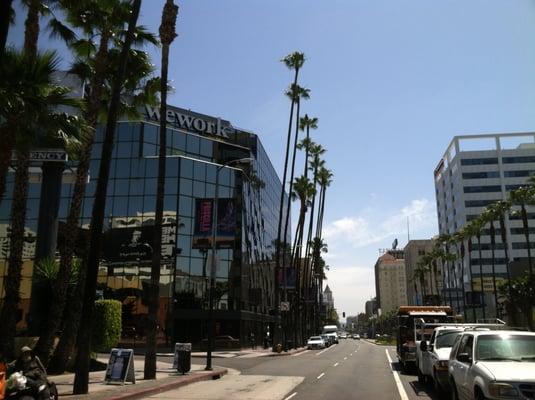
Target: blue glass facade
{"x":245,"y":274}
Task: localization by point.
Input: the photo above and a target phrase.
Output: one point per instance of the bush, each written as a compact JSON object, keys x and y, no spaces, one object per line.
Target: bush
{"x":106,"y":325}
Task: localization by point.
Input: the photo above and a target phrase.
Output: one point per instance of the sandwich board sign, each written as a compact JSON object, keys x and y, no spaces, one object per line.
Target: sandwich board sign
{"x":120,"y":367}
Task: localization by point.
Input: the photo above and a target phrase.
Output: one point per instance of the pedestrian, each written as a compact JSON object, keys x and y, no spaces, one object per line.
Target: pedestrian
{"x":253,"y":342}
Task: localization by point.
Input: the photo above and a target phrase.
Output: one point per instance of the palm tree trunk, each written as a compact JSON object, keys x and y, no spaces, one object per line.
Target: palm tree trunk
{"x":7,"y":138}
{"x":525,"y":225}
{"x":5,"y":20}
{"x":44,"y":345}
{"x":81,"y":380}
{"x":305,"y":172}
{"x":471,"y":279}
{"x":31,"y":29}
{"x":493,"y":256}
{"x":167,"y":34}
{"x":481,"y":276}
{"x":277,"y":333}
{"x":503,"y":234}
{"x":8,"y":313}
{"x":462,"y":253}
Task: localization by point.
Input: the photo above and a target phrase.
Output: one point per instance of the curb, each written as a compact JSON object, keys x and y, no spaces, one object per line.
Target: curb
{"x":170,"y":386}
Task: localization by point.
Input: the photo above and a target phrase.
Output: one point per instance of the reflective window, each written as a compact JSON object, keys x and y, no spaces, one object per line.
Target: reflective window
{"x":518,"y":160}
{"x":482,"y":189}
{"x":479,"y":161}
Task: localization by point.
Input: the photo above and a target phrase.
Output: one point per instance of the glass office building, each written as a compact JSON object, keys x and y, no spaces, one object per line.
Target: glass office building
{"x":197,"y":145}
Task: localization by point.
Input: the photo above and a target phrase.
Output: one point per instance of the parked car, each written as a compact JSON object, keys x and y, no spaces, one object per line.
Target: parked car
{"x":487,"y":364}
{"x":343,"y":336}
{"x":432,"y":359}
{"x":356,"y":336}
{"x":327,"y":339}
{"x":315,"y":342}
{"x":222,"y":342}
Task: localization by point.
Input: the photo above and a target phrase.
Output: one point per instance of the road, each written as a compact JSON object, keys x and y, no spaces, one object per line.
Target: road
{"x":350,"y":370}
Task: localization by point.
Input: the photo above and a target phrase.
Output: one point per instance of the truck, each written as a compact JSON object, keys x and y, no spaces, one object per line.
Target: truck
{"x":331,"y":330}
{"x":408,"y":337}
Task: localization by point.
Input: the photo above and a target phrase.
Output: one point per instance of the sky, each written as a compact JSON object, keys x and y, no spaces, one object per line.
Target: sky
{"x":391,"y":82}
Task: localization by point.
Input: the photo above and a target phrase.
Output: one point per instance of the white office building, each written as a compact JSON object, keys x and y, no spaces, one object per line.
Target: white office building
{"x":475,"y":171}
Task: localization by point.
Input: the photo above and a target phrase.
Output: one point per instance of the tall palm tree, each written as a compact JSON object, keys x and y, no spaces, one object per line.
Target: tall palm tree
{"x":295,"y":93}
{"x":81,"y":380}
{"x":293,"y":61}
{"x":442,"y":243}
{"x":318,"y":247}
{"x":478,"y":225}
{"x":490,"y":215}
{"x":324,"y":179}
{"x":468,"y":232}
{"x":307,"y":123}
{"x":524,"y":196}
{"x":167,"y":35}
{"x":419,"y":275}
{"x":35,"y":118}
{"x":458,"y":239}
{"x":6,"y":17}
{"x":91,"y":30}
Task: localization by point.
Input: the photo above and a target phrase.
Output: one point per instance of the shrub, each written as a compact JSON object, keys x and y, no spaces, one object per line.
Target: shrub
{"x":106,"y":325}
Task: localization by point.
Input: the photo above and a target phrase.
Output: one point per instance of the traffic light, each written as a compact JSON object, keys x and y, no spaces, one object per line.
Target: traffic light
{"x":343,"y":314}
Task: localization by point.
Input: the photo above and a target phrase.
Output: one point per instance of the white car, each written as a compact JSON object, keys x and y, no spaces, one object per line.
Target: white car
{"x":432,"y":359}
{"x":315,"y":342}
{"x":487,"y":364}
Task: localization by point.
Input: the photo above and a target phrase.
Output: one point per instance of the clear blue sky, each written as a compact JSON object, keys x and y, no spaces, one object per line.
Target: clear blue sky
{"x":392,"y":81}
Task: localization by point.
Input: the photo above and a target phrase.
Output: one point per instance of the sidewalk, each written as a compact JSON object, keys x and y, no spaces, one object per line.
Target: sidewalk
{"x":241,"y":353}
{"x":166,"y":379}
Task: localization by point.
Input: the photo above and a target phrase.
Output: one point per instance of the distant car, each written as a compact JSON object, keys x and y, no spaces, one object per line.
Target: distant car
{"x":343,"y":336}
{"x":356,"y":336}
{"x":493,"y":365}
{"x":315,"y":342}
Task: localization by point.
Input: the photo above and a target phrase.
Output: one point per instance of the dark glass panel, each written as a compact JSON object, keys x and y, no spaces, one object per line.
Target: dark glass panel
{"x":149,"y":150}
{"x":135,"y":205}
{"x":171,"y":167}
{"x":185,"y":206}
{"x":136,"y":186}
{"x":151,"y":170}
{"x":137,"y":168}
{"x":186,"y":187}
{"x":199,"y":171}
{"x":149,"y":204}
{"x":121,"y":187}
{"x":192,"y":144}
{"x":119,"y":206}
{"x":150,"y":186}
{"x":123,"y":168}
{"x":150,"y":134}
{"x":210,"y":173}
{"x":198,"y":189}
{"x":171,"y":186}
{"x":124,"y":149}
{"x":206,"y":148}
{"x":186,"y":168}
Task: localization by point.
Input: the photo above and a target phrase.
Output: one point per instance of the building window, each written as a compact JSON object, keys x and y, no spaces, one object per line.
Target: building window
{"x":482,"y":189}
{"x":481,"y":175}
{"x":479,"y":203}
{"x":518,"y":174}
{"x":479,"y":161}
{"x":518,"y":160}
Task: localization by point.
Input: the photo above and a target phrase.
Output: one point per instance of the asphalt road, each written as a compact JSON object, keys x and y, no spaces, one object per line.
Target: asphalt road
{"x":350,"y":370}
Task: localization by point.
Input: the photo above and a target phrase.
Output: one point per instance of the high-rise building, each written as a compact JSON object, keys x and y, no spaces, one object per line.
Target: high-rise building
{"x":390,"y":281}
{"x":422,"y":291}
{"x":197,"y":147}
{"x":474,"y":172}
{"x":370,"y":307}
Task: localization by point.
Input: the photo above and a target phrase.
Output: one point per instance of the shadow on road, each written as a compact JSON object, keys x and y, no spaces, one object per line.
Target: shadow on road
{"x":420,"y":389}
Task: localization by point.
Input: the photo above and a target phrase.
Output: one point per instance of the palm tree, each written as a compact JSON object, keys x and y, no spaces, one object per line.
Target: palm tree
{"x":34,"y":117}
{"x":324,"y":179}
{"x":308,"y":124}
{"x":468,"y":232}
{"x":447,"y":258}
{"x":81,"y":380}
{"x":490,"y":214}
{"x":104,"y":22}
{"x":458,"y":239}
{"x":6,"y":18}
{"x":477,"y":226}
{"x":295,"y":93}
{"x":524,"y":196}
{"x":293,"y":61}
{"x":318,"y":246}
{"x":419,"y":275}
{"x":167,"y":35}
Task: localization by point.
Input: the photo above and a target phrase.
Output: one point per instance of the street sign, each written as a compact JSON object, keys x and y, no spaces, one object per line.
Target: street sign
{"x":285,"y":306}
{"x":49,"y":155}
{"x":120,"y":367}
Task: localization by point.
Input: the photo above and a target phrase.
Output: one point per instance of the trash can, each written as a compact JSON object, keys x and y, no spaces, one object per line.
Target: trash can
{"x":182,"y":359}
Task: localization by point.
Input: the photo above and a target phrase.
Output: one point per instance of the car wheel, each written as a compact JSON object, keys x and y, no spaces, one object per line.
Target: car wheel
{"x":454,"y":394}
{"x":479,"y":394}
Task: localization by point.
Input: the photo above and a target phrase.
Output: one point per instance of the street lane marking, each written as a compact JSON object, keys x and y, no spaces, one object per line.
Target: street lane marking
{"x":301,"y":352}
{"x":321,"y":375}
{"x":335,"y":365}
{"x":290,"y":396}
{"x":399,"y":385}
{"x":328,"y":348}
{"x":345,"y":358}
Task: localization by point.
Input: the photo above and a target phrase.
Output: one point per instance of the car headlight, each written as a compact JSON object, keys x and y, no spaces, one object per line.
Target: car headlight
{"x":499,"y":390}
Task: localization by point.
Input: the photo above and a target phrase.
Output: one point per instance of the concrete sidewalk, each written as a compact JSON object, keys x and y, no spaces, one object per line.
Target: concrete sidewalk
{"x":241,"y":353}
{"x":166,"y":379}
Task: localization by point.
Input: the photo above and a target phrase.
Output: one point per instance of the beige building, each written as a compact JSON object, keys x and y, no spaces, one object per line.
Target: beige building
{"x":390,"y":281}
{"x":414,"y":251}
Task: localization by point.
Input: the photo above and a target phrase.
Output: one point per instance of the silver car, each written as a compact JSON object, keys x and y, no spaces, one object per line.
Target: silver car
{"x":487,"y":364}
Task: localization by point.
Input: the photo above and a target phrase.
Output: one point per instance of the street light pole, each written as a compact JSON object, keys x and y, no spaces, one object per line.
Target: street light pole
{"x":211,"y":321}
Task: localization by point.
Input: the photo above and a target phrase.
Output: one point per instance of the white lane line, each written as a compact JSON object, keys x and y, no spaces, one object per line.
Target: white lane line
{"x":321,"y":375}
{"x":351,"y":354}
{"x":301,"y":352}
{"x":324,"y":350}
{"x":290,"y":396}
{"x":345,"y":358}
{"x":336,"y":365}
{"x":399,"y":385}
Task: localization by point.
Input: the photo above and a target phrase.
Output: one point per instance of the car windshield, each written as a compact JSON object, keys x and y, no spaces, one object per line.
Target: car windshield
{"x":315,"y":338}
{"x":446,"y":339}
{"x":506,"y":348}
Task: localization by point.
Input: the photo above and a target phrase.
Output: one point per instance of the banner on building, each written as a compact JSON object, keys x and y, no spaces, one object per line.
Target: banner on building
{"x":134,"y":243}
{"x":226,"y":224}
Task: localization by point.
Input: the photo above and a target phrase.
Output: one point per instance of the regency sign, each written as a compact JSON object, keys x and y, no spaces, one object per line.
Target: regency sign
{"x":191,"y":122}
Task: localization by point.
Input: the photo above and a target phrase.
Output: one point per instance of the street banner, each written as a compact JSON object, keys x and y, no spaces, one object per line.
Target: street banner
{"x":226,"y":224}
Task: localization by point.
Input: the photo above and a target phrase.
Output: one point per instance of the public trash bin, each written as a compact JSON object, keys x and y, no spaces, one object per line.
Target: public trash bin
{"x":182,"y":359}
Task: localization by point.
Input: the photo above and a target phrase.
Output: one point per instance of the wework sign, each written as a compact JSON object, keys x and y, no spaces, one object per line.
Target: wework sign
{"x":191,"y":122}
